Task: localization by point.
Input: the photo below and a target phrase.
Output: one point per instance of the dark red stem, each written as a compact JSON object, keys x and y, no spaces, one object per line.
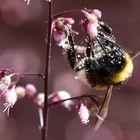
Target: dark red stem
{"x":33,"y":74}
{"x":47,"y":69}
{"x":66,"y":12}
{"x":94,"y":97}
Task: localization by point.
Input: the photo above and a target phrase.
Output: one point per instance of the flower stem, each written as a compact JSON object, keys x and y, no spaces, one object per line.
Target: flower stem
{"x":33,"y":74}
{"x":47,"y":64}
{"x":66,"y":12}
{"x":93,"y":97}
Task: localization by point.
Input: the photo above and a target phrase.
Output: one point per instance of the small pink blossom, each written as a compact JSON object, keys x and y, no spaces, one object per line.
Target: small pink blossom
{"x":5,"y":82}
{"x":93,"y":106}
{"x":61,"y":95}
{"x":83,"y":113}
{"x":30,"y":90}
{"x":90,"y":24}
{"x":98,"y":13}
{"x":10,"y":97}
{"x":59,"y":35}
{"x":90,"y":28}
{"x":60,"y":28}
{"x":63,"y":24}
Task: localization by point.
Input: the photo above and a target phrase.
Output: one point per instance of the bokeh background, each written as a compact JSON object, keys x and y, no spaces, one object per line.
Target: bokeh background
{"x":22,"y":45}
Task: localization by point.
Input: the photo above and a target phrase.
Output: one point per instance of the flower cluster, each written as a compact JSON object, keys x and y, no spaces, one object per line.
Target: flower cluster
{"x":10,"y":93}
{"x":62,"y":27}
{"x":7,"y":88}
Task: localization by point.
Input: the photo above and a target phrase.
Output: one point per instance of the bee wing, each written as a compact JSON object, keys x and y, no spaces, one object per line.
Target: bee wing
{"x":103,"y":111}
{"x":135,"y":53}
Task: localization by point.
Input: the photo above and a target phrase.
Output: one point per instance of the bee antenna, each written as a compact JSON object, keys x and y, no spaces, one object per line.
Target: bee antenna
{"x":71,"y":39}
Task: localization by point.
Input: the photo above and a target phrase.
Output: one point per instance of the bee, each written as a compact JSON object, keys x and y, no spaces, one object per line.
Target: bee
{"x":101,"y":64}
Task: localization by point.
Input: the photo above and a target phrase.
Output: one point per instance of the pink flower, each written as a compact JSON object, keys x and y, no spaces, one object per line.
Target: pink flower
{"x":83,"y":113}
{"x":5,"y":82}
{"x":59,"y":36}
{"x":30,"y":90}
{"x":90,"y":24}
{"x":98,"y":13}
{"x":60,"y":28}
{"x":61,"y":95}
{"x":10,"y":97}
{"x":90,"y":28}
{"x":93,"y":106}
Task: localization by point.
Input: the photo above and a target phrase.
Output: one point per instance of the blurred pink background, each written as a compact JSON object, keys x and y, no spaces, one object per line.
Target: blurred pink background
{"x":22,"y":43}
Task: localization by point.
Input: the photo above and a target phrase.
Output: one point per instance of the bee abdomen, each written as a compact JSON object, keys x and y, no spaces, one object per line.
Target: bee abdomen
{"x":124,"y":73}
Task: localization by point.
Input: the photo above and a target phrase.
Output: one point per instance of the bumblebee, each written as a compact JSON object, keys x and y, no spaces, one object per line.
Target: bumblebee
{"x":101,"y":64}
{"x":104,"y":62}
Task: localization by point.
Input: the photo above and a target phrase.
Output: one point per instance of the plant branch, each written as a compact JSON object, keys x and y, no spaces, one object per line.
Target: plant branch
{"x":93,"y":97}
{"x":47,"y":68}
{"x":33,"y":74}
{"x":66,"y":12}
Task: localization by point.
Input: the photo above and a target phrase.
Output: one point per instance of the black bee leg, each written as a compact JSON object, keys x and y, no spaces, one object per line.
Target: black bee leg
{"x":88,"y":61}
{"x":71,"y":52}
{"x":103,"y":111}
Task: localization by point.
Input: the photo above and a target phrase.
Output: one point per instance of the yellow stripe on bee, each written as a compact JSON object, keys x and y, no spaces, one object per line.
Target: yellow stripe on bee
{"x":125,"y":73}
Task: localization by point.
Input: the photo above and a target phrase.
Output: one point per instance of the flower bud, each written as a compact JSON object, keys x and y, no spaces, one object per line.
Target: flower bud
{"x":98,"y":13}
{"x":30,"y":90}
{"x":39,"y":100}
{"x":59,"y":35}
{"x":20,"y":91}
{"x":90,"y":28}
{"x":60,"y":28}
{"x":83,"y":113}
